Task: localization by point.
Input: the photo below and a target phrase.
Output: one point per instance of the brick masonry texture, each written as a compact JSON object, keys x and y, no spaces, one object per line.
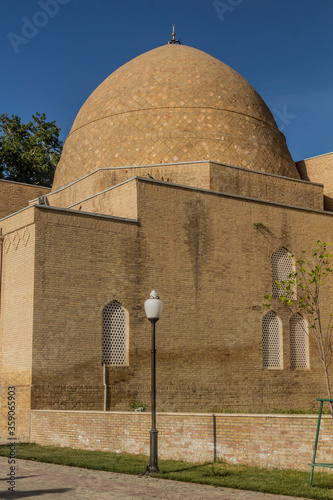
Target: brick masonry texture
{"x":214,"y":352}
{"x":205,"y":175}
{"x":174,"y":103}
{"x":188,"y":174}
{"x":120,"y":201}
{"x":265,"y":187}
{"x":319,"y":169}
{"x":274,"y":441}
{"x":14,"y":196}
{"x":16,"y":336}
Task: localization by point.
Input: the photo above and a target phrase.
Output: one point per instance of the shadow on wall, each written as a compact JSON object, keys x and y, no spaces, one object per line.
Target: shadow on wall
{"x":301,"y":167}
{"x":303,"y":172}
{"x":328,"y":203}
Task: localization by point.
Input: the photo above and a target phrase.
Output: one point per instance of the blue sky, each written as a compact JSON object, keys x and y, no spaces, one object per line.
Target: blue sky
{"x":56,"y":52}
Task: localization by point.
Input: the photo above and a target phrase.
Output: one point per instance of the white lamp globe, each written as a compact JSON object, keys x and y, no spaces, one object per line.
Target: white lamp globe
{"x":153,"y":306}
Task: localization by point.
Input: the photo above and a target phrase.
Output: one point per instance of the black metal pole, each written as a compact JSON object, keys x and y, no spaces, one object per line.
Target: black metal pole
{"x":153,"y":465}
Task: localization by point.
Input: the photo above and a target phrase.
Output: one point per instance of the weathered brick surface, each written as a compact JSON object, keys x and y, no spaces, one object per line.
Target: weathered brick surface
{"x":188,"y":174}
{"x":187,"y":245}
{"x":219,"y":279}
{"x":14,"y":196}
{"x":173,"y":104}
{"x":263,"y":186}
{"x":89,"y":192}
{"x":119,"y":201}
{"x":82,"y":263}
{"x":17,"y":302}
{"x":281,"y":441}
{"x":22,"y":409}
{"x":319,"y":169}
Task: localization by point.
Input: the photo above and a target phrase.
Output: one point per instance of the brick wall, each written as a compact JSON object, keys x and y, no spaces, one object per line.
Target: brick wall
{"x":218,"y":267}
{"x":83,"y":262}
{"x":205,"y":175}
{"x":203,"y":254}
{"x":119,"y":201}
{"x":265,"y":186}
{"x":17,"y":302}
{"x":319,"y":169}
{"x":189,"y":174}
{"x":14,"y":196}
{"x":282,"y":441}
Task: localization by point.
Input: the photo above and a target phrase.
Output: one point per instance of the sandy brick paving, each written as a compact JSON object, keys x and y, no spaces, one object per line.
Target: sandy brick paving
{"x":49,"y":482}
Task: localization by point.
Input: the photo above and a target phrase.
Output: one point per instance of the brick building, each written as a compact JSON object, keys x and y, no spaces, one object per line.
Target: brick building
{"x":174,"y":177}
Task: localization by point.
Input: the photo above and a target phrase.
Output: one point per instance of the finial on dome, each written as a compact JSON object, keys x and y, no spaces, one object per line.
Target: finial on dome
{"x":174,"y":36}
{"x":173,"y":32}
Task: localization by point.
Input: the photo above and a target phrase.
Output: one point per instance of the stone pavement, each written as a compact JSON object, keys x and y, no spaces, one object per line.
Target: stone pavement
{"x":50,"y":482}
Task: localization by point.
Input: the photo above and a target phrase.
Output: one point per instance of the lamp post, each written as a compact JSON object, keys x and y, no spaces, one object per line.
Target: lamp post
{"x":153,"y":308}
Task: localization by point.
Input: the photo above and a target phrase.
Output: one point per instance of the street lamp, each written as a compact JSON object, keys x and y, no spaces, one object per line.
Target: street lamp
{"x":153,"y":308}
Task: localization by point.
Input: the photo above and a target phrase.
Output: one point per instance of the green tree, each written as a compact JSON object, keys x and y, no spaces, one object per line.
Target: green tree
{"x":29,"y":152}
{"x":308,"y":281}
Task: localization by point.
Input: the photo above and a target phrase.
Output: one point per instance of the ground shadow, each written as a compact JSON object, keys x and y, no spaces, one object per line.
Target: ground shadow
{"x":192,"y":467}
{"x":16,"y":477}
{"x":33,"y":493}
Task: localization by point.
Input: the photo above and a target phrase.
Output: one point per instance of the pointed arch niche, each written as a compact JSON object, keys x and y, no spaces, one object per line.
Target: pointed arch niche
{"x":272,"y":341}
{"x":299,"y":342}
{"x":282,"y":265}
{"x":115,"y":335}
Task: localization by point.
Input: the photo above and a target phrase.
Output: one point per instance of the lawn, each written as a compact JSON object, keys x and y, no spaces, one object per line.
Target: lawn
{"x":283,"y":482}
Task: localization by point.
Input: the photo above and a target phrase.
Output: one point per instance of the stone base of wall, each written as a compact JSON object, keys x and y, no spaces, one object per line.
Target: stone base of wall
{"x":281,"y":441}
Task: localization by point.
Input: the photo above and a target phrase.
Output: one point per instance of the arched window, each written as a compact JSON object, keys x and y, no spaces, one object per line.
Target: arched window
{"x":299,"y":344}
{"x":114,"y":334}
{"x":271,"y":341}
{"x":282,"y":266}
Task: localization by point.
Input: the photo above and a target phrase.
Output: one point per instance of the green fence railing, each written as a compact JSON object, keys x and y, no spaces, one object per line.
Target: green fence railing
{"x":313,"y":463}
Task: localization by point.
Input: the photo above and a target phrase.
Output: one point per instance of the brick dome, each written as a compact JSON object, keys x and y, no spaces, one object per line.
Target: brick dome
{"x":174,"y":104}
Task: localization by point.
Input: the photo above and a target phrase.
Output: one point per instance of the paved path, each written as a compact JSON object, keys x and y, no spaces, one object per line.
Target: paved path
{"x":50,"y":482}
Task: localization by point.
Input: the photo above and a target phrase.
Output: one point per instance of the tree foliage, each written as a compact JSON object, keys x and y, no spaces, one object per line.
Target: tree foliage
{"x":303,"y":290}
{"x":29,"y":152}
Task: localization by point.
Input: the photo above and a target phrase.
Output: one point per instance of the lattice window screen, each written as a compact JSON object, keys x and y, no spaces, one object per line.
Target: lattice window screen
{"x":282,"y":266}
{"x":299,"y":350}
{"x":271,"y":341}
{"x":114,"y":334}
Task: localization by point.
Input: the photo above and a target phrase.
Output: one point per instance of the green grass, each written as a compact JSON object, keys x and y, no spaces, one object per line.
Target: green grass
{"x":283,"y":482}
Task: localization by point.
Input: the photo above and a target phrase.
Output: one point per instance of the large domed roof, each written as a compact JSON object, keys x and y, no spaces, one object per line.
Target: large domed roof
{"x":173,"y":104}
